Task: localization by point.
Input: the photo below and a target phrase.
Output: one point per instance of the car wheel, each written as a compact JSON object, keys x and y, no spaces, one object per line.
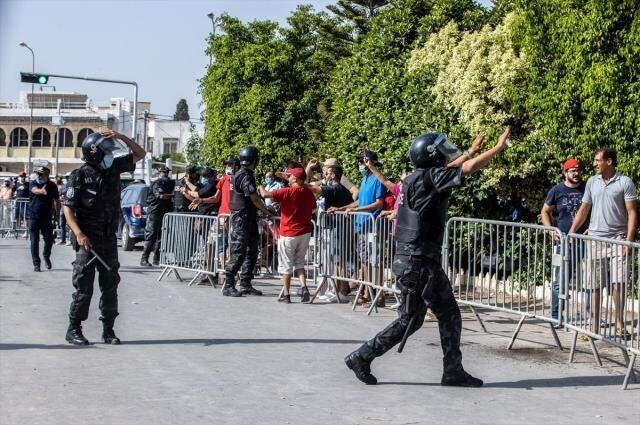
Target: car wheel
{"x":127,"y":241}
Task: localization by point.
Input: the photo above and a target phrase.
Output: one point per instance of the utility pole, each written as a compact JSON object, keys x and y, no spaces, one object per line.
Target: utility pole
{"x":144,"y":131}
{"x":57,"y":121}
{"x":33,"y":70}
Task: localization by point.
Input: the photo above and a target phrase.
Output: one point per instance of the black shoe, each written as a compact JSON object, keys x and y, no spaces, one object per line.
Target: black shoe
{"x":74,"y":336}
{"x":109,"y":337}
{"x":250,"y":290}
{"x":47,"y":262}
{"x":361,"y":368}
{"x":156,"y":261}
{"x":285,"y":299}
{"x":36,"y":268}
{"x":306,"y":296}
{"x":460,"y":379}
{"x":231,"y":292}
{"x":145,"y":262}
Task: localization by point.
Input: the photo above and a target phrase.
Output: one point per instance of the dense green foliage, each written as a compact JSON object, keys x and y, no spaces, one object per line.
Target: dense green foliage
{"x":563,"y":73}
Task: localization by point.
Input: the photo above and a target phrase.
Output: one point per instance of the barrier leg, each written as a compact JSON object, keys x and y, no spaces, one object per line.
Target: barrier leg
{"x":357,"y":298}
{"x":596,"y":355}
{"x":177,"y":275}
{"x":515,"y":334}
{"x":192,"y":281}
{"x":555,"y":336}
{"x":572,"y":353}
{"x":162,"y":275}
{"x":630,"y":372}
{"x":375,"y":302}
{"x":318,"y":290}
{"x":475,"y":313}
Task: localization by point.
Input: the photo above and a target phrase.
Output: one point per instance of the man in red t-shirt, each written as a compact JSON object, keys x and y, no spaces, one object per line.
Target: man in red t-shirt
{"x":297,"y":203}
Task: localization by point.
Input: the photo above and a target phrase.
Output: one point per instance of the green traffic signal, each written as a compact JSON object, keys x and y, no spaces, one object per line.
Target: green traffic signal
{"x":27,"y":77}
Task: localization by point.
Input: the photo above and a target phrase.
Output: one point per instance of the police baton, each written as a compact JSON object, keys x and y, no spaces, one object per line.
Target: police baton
{"x":97,"y":257}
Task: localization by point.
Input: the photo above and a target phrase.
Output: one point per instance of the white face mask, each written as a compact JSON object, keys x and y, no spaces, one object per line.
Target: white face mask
{"x":228,"y":170}
{"x":107,"y":161}
{"x":64,"y":181}
{"x":363,"y":169}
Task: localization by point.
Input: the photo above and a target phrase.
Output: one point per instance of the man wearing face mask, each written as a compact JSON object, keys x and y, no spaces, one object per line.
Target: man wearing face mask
{"x":159,"y":202}
{"x":440,"y":166}
{"x":92,"y":209}
{"x":271,"y":185}
{"x":44,"y":199}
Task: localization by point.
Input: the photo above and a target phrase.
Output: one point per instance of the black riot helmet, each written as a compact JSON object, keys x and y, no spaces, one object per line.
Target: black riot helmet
{"x":432,"y":150}
{"x":249,"y":155}
{"x":232,"y":160}
{"x":96,"y":146}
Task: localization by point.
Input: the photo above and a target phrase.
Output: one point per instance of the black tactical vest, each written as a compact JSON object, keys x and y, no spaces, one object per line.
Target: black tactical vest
{"x":98,"y":206}
{"x":238,"y":203}
{"x":421,"y":217}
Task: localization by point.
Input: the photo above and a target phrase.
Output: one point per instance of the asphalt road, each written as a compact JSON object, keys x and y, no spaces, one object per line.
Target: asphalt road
{"x":191,"y":356}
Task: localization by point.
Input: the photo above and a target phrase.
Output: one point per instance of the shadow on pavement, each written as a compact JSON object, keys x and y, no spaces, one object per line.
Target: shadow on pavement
{"x":204,"y":341}
{"x":528,"y":384}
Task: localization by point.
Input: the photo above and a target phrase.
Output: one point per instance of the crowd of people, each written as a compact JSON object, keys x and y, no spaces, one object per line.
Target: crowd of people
{"x":416,"y":203}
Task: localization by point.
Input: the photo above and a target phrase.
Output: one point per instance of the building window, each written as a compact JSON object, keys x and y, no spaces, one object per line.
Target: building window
{"x":169,"y":145}
{"x":19,"y":137}
{"x":65,"y":138}
{"x":83,"y":135}
{"x":3,"y":138}
{"x":41,"y":138}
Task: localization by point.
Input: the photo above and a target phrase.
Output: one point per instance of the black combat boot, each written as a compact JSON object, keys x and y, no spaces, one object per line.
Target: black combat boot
{"x":108,"y":336}
{"x":249,"y":290}
{"x":74,"y":334}
{"x":156,"y":260}
{"x":47,"y":262}
{"x":460,"y":379}
{"x":144,"y":262}
{"x":231,"y":291}
{"x":361,"y":367}
{"x":36,"y":268}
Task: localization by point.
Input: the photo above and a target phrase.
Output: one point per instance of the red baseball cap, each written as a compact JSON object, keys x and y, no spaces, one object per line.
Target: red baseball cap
{"x":22,"y":174}
{"x":570,"y":163}
{"x":298,"y":173}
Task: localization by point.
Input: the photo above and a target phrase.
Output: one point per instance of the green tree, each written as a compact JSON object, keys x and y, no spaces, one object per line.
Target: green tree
{"x":182,"y":111}
{"x":193,"y":153}
{"x":265,"y":87}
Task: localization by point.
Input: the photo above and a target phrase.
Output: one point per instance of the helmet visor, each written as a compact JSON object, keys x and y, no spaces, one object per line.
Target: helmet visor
{"x":446,"y":148}
{"x":112,"y":147}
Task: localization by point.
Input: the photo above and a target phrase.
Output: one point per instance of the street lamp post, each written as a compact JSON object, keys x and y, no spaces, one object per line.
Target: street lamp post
{"x":33,"y":70}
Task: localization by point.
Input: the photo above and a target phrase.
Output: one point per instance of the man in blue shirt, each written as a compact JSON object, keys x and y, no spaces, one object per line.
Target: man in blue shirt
{"x":565,"y":199}
{"x":44,"y":199}
{"x":371,"y":200}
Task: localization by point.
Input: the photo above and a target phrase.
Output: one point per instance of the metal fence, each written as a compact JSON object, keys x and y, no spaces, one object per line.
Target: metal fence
{"x":602,"y":278}
{"x":14,"y":218}
{"x":357,"y":249}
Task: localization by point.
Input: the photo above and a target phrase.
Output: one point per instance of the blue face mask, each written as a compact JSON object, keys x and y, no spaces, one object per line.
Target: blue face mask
{"x":40,"y":181}
{"x":268,"y":180}
{"x":204,"y":180}
{"x":107,"y":161}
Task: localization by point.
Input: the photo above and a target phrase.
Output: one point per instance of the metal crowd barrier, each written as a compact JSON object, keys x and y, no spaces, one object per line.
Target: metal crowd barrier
{"x":201,"y":244}
{"x":14,"y":217}
{"x":602,"y":277}
{"x":184,"y":245}
{"x":508,"y":267}
{"x":355,"y":248}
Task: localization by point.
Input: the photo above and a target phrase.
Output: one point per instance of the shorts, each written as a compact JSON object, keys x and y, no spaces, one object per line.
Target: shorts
{"x":292,"y":252}
{"x":605,"y":264}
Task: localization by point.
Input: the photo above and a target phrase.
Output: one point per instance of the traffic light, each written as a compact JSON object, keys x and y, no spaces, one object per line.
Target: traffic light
{"x":27,"y":77}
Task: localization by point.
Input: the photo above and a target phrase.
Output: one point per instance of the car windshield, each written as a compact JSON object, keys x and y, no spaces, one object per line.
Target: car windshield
{"x":135,"y":194}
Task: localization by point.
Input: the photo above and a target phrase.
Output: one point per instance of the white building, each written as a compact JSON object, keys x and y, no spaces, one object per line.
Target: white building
{"x":167,"y":136}
{"x":66,"y":117}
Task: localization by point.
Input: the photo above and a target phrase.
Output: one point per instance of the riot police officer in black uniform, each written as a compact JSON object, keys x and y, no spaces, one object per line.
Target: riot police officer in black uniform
{"x":244,"y":204}
{"x":92,"y":208}
{"x":420,"y":226}
{"x":159,"y":202}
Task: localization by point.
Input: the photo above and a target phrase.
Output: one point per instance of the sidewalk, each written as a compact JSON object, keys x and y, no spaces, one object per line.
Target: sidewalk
{"x":191,"y":356}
